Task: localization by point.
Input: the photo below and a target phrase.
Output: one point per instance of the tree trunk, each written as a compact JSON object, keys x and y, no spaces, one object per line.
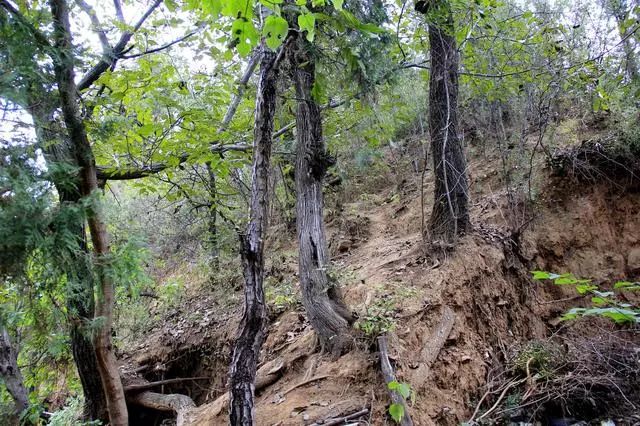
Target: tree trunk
{"x":213,"y":211}
{"x":322,"y":299}
{"x":63,"y":65}
{"x":450,"y":215}
{"x":79,"y":290}
{"x":251,"y":331}
{"x":214,"y":249}
{"x":10,"y":374}
{"x":621,"y":12}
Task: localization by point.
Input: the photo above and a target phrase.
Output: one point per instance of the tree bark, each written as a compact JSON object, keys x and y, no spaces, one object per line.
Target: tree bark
{"x":63,"y":64}
{"x":10,"y":373}
{"x":79,"y":290}
{"x":214,"y":248}
{"x":450,"y":215}
{"x":213,"y":210}
{"x":322,"y":299}
{"x":620,"y":12}
{"x":251,"y":332}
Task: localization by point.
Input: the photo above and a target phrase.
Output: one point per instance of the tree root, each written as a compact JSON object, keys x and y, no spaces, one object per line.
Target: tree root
{"x":176,"y":403}
{"x":305,"y":382}
{"x":389,"y":376}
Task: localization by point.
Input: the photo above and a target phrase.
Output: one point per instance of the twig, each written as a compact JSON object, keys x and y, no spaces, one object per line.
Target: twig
{"x":504,"y":392}
{"x":144,"y":386}
{"x":339,"y":420}
{"x":163,"y":47}
{"x":306,"y":382}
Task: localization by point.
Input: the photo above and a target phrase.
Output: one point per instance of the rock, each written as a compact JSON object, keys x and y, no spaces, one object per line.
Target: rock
{"x":633,"y":259}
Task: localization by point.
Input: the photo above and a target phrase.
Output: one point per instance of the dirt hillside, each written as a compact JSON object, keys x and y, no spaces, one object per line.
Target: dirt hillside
{"x":453,"y":319}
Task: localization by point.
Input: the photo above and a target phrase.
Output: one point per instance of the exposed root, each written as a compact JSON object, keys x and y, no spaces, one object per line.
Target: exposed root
{"x":597,"y":161}
{"x":176,"y":403}
{"x":305,"y":382}
{"x":586,"y":378}
{"x":432,"y":346}
{"x":389,"y":376}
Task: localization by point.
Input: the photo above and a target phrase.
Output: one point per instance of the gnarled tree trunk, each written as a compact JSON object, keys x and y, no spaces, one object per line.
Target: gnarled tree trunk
{"x":79,"y":290}
{"x":10,"y":374}
{"x":83,"y":154}
{"x":251,"y":331}
{"x":322,"y":299}
{"x":450,"y":215}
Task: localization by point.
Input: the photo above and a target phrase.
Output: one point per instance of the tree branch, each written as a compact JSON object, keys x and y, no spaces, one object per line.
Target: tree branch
{"x":97,"y":26}
{"x":161,"y":48}
{"x":112,"y":57}
{"x":145,"y":386}
{"x":105,"y":173}
{"x":119,"y":15}
{"x":242,"y":86}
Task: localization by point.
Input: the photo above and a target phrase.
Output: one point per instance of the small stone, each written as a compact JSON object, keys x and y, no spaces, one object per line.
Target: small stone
{"x":633,"y":259}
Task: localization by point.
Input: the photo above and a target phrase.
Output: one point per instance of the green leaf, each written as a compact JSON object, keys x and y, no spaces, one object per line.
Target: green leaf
{"x":212,"y":7}
{"x":272,"y":4}
{"x":275,"y":30}
{"x":626,"y":285}
{"x":307,"y":22}
{"x":246,"y":34}
{"x":171,"y":5}
{"x":397,"y":412}
{"x":540,"y":275}
{"x":238,"y":9}
{"x":337,"y":4}
{"x":404,"y":390}
{"x":585,"y":288}
{"x":566,"y":279}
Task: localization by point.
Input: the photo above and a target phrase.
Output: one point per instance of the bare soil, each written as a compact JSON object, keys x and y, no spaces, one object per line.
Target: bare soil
{"x":458,"y":315}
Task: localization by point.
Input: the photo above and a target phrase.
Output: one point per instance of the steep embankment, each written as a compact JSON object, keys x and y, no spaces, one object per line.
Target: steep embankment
{"x":453,"y":319}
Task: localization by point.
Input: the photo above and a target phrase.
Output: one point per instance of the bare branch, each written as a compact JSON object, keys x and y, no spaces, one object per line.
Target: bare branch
{"x":119,"y":14}
{"x":161,"y":48}
{"x":242,"y":86}
{"x":110,"y":59}
{"x":95,"y":23}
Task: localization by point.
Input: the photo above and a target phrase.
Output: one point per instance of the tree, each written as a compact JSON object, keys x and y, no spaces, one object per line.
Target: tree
{"x":63,"y":59}
{"x":35,"y":96}
{"x":322,"y":299}
{"x":450,"y":215}
{"x":251,"y":331}
{"x":10,"y":373}
{"x":622,"y":10}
